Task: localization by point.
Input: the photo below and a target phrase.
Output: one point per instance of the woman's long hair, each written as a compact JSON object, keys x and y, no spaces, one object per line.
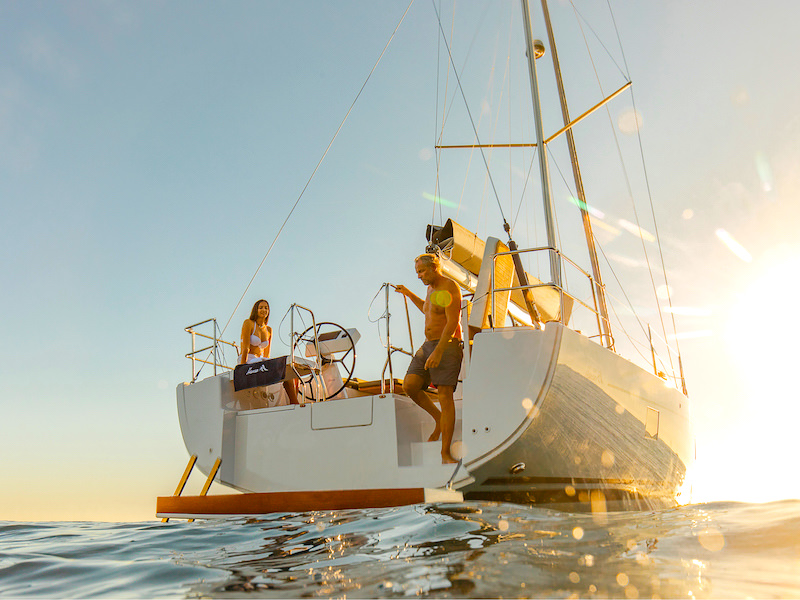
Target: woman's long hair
{"x":254,"y":312}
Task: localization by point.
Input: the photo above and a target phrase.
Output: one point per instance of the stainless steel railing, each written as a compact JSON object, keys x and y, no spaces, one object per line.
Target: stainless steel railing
{"x":602,"y":323}
{"x":392,"y":349}
{"x":214,"y":350}
{"x":315,"y":381}
{"x":603,"y":332}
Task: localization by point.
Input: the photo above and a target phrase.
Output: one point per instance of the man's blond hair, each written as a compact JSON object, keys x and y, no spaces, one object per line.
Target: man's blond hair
{"x":431,"y":260}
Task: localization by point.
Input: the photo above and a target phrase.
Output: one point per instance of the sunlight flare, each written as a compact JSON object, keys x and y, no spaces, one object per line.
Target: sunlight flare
{"x":636,"y":230}
{"x":690,"y":335}
{"x":598,"y":214}
{"x":629,"y":121}
{"x":439,"y":200}
{"x":734,"y":246}
{"x":764,"y":172}
{"x":603,"y":225}
{"x":767,"y":350}
{"x":687,"y":311}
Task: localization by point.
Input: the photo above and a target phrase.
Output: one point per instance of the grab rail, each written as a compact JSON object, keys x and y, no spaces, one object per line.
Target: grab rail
{"x":392,"y":349}
{"x":316,"y":371}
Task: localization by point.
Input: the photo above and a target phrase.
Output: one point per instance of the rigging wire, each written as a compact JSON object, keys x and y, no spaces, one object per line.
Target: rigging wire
{"x":466,"y":180}
{"x":624,"y":72}
{"x":303,"y":326}
{"x":314,"y":172}
{"x":637,"y":345}
{"x":650,"y":196}
{"x":437,"y":137}
{"x":627,"y":179}
{"x":634,"y":343}
{"x":280,"y":325}
{"x":379,"y":319}
{"x":555,"y":217}
{"x":386,"y":315}
{"x":619,"y":323}
{"x":507,"y":78}
{"x":469,"y":113}
{"x":487,"y":176}
{"x":448,"y":105}
{"x":525,"y":186}
{"x":445,"y":112}
{"x":495,"y":125}
{"x":528,"y":235}
{"x":619,"y":283}
{"x":630,"y":306}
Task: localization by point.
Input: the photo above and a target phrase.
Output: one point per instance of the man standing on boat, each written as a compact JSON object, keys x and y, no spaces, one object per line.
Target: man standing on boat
{"x":438,"y":361}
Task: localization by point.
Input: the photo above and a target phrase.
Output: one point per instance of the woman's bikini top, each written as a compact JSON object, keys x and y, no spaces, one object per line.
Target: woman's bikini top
{"x":255,"y":341}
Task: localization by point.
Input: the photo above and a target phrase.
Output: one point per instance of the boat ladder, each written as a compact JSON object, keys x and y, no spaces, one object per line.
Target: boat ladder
{"x":185,"y":478}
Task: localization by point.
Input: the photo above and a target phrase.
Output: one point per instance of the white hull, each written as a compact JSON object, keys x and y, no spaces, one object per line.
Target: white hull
{"x":546,"y":416}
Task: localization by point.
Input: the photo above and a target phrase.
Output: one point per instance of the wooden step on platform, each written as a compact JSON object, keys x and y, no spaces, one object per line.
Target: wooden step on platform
{"x":374,"y":387}
{"x":227,"y":505}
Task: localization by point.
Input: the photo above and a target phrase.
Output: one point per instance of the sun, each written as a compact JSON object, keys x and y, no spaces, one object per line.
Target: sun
{"x":750,"y":457}
{"x":763,"y":327}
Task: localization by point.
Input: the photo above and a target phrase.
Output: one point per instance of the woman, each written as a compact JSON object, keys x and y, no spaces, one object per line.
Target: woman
{"x":257,"y":342}
{"x":256,"y":334}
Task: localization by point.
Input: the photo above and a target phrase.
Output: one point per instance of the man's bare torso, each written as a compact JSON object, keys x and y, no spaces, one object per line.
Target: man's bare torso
{"x":439,"y":296}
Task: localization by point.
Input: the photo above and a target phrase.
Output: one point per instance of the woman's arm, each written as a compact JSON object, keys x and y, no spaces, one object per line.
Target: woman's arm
{"x":247,"y":331}
{"x":269,"y":339}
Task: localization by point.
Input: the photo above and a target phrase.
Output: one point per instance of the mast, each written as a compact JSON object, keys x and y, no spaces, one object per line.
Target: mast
{"x":601,"y":307}
{"x":547,"y":197}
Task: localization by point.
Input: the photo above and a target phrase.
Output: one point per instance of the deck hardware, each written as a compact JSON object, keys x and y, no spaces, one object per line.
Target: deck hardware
{"x":517,"y":468}
{"x":449,"y":485}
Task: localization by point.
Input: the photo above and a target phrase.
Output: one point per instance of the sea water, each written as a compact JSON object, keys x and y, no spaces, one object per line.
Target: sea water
{"x":475,"y":549}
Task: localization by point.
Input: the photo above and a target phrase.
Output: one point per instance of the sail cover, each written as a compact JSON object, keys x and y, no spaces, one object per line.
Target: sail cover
{"x":468,"y":250}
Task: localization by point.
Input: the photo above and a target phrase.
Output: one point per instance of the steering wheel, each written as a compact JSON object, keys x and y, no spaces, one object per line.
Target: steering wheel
{"x":326,"y":331}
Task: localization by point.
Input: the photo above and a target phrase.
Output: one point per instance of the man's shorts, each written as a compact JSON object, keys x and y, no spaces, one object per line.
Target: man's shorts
{"x":449,"y":367}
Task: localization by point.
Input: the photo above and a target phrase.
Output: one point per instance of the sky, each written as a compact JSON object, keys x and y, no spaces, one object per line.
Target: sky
{"x":151,"y":151}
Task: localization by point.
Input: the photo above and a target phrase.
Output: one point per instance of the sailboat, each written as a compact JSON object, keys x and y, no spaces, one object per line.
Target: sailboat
{"x":546,"y":413}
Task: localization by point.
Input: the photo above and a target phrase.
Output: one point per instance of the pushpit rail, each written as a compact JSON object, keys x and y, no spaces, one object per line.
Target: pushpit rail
{"x":602,"y":323}
{"x":214,"y":350}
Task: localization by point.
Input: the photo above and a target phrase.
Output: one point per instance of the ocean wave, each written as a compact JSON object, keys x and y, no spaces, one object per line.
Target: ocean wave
{"x":475,"y":549}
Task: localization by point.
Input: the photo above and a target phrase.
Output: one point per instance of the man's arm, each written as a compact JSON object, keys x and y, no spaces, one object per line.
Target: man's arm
{"x":418,"y":302}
